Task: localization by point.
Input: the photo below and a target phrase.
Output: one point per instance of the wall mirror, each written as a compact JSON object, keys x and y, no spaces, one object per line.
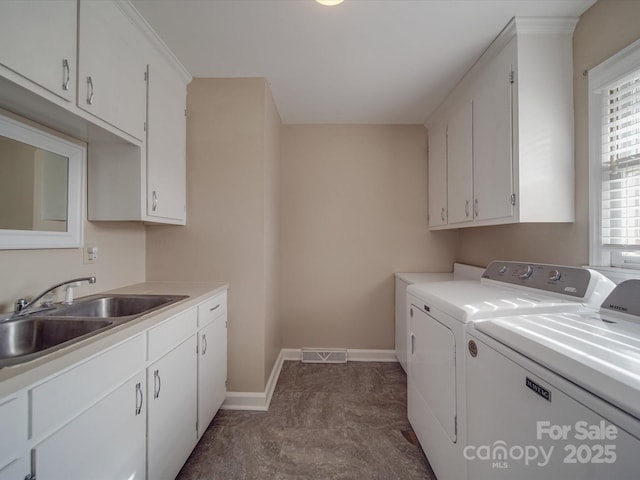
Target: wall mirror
{"x":41,"y":188}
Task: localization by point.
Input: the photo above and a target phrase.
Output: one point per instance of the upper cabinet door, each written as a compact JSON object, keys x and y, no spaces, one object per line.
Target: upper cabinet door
{"x":460,"y":165}
{"x":111,"y":67}
{"x":42,"y":39}
{"x":437,"y":175}
{"x":166,"y":145}
{"x":492,"y":137}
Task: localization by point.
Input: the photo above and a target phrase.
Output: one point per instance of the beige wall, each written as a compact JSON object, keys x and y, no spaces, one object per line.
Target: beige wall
{"x":353,"y":212}
{"x":121,"y":261}
{"x":273,"y":331}
{"x":607,"y":27}
{"x":229,"y":236}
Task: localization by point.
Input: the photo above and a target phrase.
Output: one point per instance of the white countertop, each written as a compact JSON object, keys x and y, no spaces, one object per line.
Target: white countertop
{"x":14,"y":378}
{"x":461,"y":271}
{"x":412,"y":278}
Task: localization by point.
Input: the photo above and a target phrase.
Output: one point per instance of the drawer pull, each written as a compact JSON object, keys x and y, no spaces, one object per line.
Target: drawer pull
{"x":157,"y":384}
{"x":139,"y":395}
{"x":214,"y":308}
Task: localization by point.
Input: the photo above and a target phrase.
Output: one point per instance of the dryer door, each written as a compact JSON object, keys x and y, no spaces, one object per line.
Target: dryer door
{"x":433,"y":367}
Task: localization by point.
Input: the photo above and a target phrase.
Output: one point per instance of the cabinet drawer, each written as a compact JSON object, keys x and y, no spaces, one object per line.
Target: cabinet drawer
{"x":13,"y":425}
{"x":62,"y":398}
{"x":212,"y":309}
{"x":171,"y":333}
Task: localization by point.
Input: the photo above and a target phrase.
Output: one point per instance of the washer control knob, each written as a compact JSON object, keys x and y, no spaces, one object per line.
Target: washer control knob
{"x":527,"y":272}
{"x":555,"y":275}
{"x":503,"y":269}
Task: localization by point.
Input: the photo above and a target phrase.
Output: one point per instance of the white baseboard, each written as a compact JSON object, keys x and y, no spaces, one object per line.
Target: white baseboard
{"x":260,"y":401}
{"x":357,"y":355}
{"x":256,"y":400}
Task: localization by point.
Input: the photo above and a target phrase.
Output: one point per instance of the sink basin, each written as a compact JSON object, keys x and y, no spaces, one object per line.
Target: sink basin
{"x":115,"y":306}
{"x":28,"y":338}
{"x":32,"y":336}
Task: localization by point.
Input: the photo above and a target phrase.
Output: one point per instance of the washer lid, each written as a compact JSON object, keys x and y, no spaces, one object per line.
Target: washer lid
{"x":599,"y":356}
{"x":468,"y":300}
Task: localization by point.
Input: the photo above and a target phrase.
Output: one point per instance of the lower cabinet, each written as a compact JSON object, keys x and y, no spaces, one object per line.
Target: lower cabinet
{"x":171,"y":429}
{"x":15,"y":470}
{"x":134,"y":411}
{"x":212,"y":370}
{"x":107,"y":441}
{"x":14,"y":421}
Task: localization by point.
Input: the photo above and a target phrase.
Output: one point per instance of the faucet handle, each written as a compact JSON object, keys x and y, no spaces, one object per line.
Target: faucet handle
{"x":20,"y":304}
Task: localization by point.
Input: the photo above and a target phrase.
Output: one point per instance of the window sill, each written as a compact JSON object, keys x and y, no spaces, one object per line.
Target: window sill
{"x":617,"y":275}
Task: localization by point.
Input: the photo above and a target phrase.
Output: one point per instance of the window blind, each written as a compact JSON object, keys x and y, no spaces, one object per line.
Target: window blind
{"x":621,"y":162}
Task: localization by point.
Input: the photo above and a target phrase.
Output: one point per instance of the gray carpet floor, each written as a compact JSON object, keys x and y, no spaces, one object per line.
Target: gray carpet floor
{"x":329,"y":421}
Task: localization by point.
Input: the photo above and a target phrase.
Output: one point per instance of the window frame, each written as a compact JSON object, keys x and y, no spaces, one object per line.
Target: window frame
{"x":615,"y":67}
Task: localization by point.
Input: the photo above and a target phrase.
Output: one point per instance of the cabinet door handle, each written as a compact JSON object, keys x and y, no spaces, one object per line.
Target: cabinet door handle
{"x":140,"y":396}
{"x":204,"y":344}
{"x":442,"y":214}
{"x":466,"y":208}
{"x":66,"y":74}
{"x":475,"y":207}
{"x":154,"y":204}
{"x":157,"y":384}
{"x":32,"y":475}
{"x":89,"y":91}
{"x":413,"y":344}
{"x":214,"y":308}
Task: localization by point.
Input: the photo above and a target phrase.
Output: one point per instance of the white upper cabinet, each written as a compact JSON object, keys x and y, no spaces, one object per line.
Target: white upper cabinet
{"x":459,"y":165}
{"x":520,"y":93}
{"x":145,"y":182}
{"x":438,"y":175}
{"x":111,"y":67}
{"x":166,"y":144}
{"x":492,"y":138}
{"x":38,"y":39}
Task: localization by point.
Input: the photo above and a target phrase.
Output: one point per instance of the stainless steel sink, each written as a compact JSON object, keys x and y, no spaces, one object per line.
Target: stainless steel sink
{"x":115,"y":306}
{"x":27,"y":338}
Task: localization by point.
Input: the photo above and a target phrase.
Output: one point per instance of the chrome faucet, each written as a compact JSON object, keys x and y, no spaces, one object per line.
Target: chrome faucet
{"x":22,"y":305}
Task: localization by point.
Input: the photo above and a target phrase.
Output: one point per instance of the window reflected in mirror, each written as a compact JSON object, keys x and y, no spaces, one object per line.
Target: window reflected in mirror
{"x":33,"y":188}
{"x":42,"y":186}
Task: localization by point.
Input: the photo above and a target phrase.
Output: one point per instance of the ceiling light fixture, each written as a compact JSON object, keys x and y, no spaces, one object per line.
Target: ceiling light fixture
{"x":330,"y":3}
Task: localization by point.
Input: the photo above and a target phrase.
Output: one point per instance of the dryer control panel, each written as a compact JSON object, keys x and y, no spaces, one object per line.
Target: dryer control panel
{"x":563,"y":280}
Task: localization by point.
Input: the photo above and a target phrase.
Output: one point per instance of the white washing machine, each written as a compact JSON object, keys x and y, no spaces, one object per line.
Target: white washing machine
{"x":439,"y":314}
{"x":556,"y":395}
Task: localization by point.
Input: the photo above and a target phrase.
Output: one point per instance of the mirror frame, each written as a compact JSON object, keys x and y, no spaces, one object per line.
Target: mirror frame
{"x":29,"y":133}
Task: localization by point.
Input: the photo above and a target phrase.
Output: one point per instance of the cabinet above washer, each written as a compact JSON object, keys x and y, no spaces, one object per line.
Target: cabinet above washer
{"x":521,"y":132}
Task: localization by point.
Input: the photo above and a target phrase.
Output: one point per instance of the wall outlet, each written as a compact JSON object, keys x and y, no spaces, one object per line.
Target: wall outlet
{"x":90,"y":253}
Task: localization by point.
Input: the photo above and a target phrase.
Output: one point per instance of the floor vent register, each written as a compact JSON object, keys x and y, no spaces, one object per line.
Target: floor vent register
{"x":314,"y":355}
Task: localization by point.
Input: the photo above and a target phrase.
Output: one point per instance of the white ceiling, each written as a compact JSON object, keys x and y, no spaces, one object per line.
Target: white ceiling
{"x":364,"y":61}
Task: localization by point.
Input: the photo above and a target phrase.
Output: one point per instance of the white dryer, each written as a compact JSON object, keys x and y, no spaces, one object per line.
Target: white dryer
{"x":439,"y":314}
{"x":556,"y":395}
{"x":403,"y":280}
